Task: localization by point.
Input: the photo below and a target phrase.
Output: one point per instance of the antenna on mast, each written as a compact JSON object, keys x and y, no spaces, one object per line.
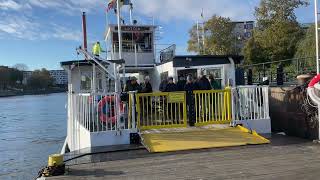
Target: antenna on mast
{"x":203,"y":40}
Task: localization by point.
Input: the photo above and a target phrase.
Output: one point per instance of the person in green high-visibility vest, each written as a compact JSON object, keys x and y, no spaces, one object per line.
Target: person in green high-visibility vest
{"x":96,"y":49}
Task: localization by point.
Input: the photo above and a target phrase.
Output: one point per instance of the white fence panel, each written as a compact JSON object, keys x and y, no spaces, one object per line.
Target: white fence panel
{"x":251,"y":107}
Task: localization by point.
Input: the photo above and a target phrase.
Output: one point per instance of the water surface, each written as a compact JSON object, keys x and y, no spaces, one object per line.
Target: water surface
{"x":31,"y":128}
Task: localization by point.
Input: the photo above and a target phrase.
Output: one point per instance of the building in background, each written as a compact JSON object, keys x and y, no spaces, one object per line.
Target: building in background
{"x":243,"y":30}
{"x":60,"y":77}
{"x":26,"y":76}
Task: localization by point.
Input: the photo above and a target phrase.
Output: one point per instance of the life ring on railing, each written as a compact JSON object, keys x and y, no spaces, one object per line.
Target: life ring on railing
{"x":108,"y":114}
{"x":311,"y":89}
{"x":314,"y":81}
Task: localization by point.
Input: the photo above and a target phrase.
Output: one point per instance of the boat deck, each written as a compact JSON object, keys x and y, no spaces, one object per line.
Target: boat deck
{"x":284,"y":158}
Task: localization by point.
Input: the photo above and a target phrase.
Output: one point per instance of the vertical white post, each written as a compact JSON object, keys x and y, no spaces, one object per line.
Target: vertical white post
{"x":319,"y":122}
{"x":198,"y":36}
{"x":135,"y":55}
{"x":317,"y":32}
{"x":115,"y":68}
{"x":94,"y":88}
{"x":119,"y":29}
{"x":203,"y":36}
{"x":133,"y":110}
{"x":130,"y":12}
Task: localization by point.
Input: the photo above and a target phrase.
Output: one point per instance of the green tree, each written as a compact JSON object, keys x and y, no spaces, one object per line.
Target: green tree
{"x":254,"y":52}
{"x":193,"y":45}
{"x":9,"y":77}
{"x":15,"y":76}
{"x":272,"y":11}
{"x":4,"y":77}
{"x":40,"y":79}
{"x":219,"y":39}
{"x":306,"y":48}
{"x":277,"y":34}
{"x":21,"y":67}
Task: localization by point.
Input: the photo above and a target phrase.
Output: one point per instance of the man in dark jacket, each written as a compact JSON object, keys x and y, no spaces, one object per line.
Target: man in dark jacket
{"x":163,"y":85}
{"x":171,"y":86}
{"x":133,"y":85}
{"x":146,"y":87}
{"x":204,"y":83}
{"x":181,"y":83}
{"x":189,"y":88}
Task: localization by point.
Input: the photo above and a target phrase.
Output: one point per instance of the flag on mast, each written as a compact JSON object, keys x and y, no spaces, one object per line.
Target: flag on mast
{"x":111,"y":5}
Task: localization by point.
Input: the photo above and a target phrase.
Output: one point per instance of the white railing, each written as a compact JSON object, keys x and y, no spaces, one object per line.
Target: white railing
{"x":250,"y":103}
{"x":98,"y":112}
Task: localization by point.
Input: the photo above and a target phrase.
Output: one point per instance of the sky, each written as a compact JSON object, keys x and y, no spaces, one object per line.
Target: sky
{"x":42,"y":33}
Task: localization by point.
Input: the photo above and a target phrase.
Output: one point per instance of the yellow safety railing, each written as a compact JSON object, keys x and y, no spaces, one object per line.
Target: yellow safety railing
{"x":212,"y":107}
{"x":161,"y":110}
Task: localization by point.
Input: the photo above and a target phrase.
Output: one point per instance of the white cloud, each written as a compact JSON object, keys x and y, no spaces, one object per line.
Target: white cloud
{"x":70,"y":7}
{"x":22,"y":27}
{"x":168,"y":10}
{"x":13,"y":5}
{"x":66,"y":34}
{"x":19,"y":27}
{"x":18,"y":18}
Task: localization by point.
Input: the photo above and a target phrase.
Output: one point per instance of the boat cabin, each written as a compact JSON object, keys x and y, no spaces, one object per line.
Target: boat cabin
{"x":101,"y":115}
{"x":86,"y":76}
{"x":221,"y":67}
{"x":137,"y":44}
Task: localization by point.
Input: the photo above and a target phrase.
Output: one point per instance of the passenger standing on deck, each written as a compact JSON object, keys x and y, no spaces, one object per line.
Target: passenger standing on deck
{"x":189,"y":88}
{"x":214,"y":83}
{"x":133,"y":85}
{"x":204,"y":83}
{"x":163,"y":84}
{"x":181,"y":83}
{"x":96,"y":49}
{"x":171,"y":86}
{"x":171,"y":108}
{"x":146,"y":86}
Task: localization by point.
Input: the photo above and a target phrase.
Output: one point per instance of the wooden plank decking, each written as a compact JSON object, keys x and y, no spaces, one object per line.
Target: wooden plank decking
{"x":285,"y":158}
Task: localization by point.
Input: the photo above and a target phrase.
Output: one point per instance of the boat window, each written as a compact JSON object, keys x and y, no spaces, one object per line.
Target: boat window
{"x":85,"y":82}
{"x":134,"y":41}
{"x":216,"y":72}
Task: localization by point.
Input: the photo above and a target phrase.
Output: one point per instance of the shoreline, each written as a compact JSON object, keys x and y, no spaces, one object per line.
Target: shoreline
{"x":30,"y":92}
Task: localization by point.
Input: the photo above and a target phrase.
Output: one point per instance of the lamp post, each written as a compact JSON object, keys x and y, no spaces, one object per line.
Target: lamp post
{"x":317,"y":32}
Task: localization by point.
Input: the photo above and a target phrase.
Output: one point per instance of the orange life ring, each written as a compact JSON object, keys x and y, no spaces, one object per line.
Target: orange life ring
{"x":108,"y":114}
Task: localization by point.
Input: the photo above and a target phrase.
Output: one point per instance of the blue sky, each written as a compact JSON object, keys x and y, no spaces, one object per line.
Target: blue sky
{"x":41,"y":33}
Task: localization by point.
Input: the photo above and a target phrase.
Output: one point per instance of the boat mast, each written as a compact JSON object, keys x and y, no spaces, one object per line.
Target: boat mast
{"x":116,"y":68}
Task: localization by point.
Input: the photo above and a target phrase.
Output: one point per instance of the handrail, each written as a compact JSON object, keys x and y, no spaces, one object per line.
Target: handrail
{"x":92,"y":57}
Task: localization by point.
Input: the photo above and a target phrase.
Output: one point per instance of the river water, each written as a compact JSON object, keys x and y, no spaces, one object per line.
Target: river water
{"x":31,"y":128}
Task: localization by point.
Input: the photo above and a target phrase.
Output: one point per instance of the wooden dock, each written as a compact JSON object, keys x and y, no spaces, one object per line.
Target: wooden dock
{"x":285,"y":158}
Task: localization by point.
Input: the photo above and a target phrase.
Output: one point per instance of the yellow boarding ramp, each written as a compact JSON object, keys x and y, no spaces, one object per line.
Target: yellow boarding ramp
{"x":200,"y":139}
{"x":162,"y":121}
